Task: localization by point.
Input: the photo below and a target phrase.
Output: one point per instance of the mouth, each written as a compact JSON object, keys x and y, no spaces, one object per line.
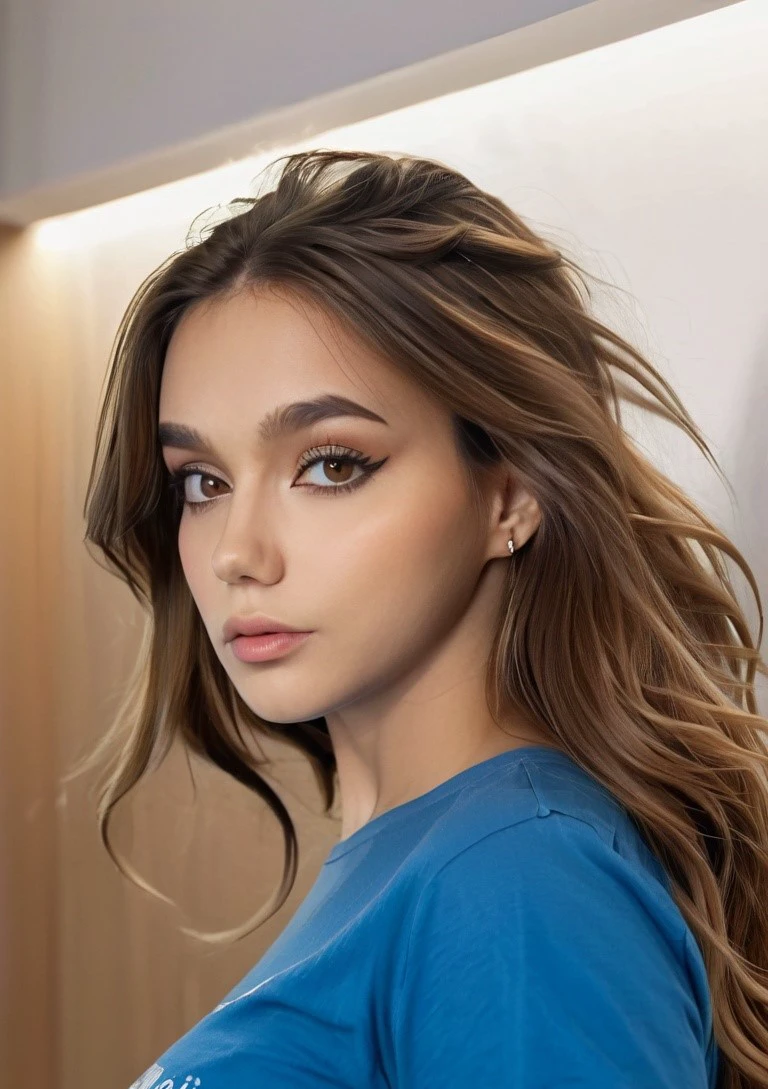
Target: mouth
{"x":267,"y":645}
{"x":255,"y":625}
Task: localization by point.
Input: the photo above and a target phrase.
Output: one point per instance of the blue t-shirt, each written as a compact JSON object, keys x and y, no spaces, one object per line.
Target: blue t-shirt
{"x":508,"y":929}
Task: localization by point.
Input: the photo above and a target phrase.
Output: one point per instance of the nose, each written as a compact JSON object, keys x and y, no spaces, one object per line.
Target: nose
{"x":246,"y":547}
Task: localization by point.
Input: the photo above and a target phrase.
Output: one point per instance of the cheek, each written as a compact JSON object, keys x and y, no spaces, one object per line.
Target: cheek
{"x":401,"y":539}
{"x":408,"y":576}
{"x":193,"y":562}
{"x":186,"y":551}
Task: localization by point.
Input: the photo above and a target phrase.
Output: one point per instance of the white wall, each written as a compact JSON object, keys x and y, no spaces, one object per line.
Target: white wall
{"x":99,"y":99}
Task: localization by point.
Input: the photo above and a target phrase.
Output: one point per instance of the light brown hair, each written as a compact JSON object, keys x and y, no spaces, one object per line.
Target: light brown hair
{"x":621,"y":633}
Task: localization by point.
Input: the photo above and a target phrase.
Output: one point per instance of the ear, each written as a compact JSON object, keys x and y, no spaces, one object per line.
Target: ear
{"x":513,"y":513}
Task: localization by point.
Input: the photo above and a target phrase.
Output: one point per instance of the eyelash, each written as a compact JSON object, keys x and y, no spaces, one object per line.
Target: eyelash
{"x":314,"y":456}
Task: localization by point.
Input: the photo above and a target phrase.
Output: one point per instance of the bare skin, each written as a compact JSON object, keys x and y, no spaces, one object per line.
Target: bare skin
{"x":398,"y":580}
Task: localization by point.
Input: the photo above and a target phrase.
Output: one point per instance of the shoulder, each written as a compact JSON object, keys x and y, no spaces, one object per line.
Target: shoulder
{"x":543,"y":838}
{"x":542,"y":907}
{"x":540,"y":801}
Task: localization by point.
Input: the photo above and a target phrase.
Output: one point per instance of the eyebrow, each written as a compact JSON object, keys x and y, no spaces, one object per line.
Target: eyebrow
{"x":283,"y":420}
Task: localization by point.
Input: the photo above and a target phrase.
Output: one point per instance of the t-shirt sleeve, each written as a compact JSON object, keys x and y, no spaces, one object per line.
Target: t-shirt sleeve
{"x":539,"y":958}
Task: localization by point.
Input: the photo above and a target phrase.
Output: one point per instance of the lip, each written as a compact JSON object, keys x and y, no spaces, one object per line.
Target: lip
{"x":263,"y":648}
{"x":254,"y":625}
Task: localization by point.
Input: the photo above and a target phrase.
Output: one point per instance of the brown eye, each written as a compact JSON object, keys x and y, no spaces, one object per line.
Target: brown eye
{"x":206,"y":481}
{"x":335,"y":470}
{"x":336,"y":479}
{"x":210,"y":491}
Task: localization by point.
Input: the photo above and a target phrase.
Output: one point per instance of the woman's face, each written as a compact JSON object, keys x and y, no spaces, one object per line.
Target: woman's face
{"x":379,"y":572}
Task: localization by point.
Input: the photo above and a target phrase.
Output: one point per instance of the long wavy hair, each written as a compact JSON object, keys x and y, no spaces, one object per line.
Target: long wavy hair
{"x":620,"y":632}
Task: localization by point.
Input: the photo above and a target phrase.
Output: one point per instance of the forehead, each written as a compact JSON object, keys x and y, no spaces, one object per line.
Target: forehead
{"x":262,"y":348}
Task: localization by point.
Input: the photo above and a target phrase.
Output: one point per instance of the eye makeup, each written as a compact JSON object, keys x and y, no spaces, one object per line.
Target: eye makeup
{"x":313,"y":456}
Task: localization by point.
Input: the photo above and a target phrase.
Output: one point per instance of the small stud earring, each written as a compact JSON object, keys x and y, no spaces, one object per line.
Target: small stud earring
{"x":511,"y":546}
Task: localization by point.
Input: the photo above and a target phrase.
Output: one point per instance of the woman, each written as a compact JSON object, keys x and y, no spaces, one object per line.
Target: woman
{"x":508,"y":656}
